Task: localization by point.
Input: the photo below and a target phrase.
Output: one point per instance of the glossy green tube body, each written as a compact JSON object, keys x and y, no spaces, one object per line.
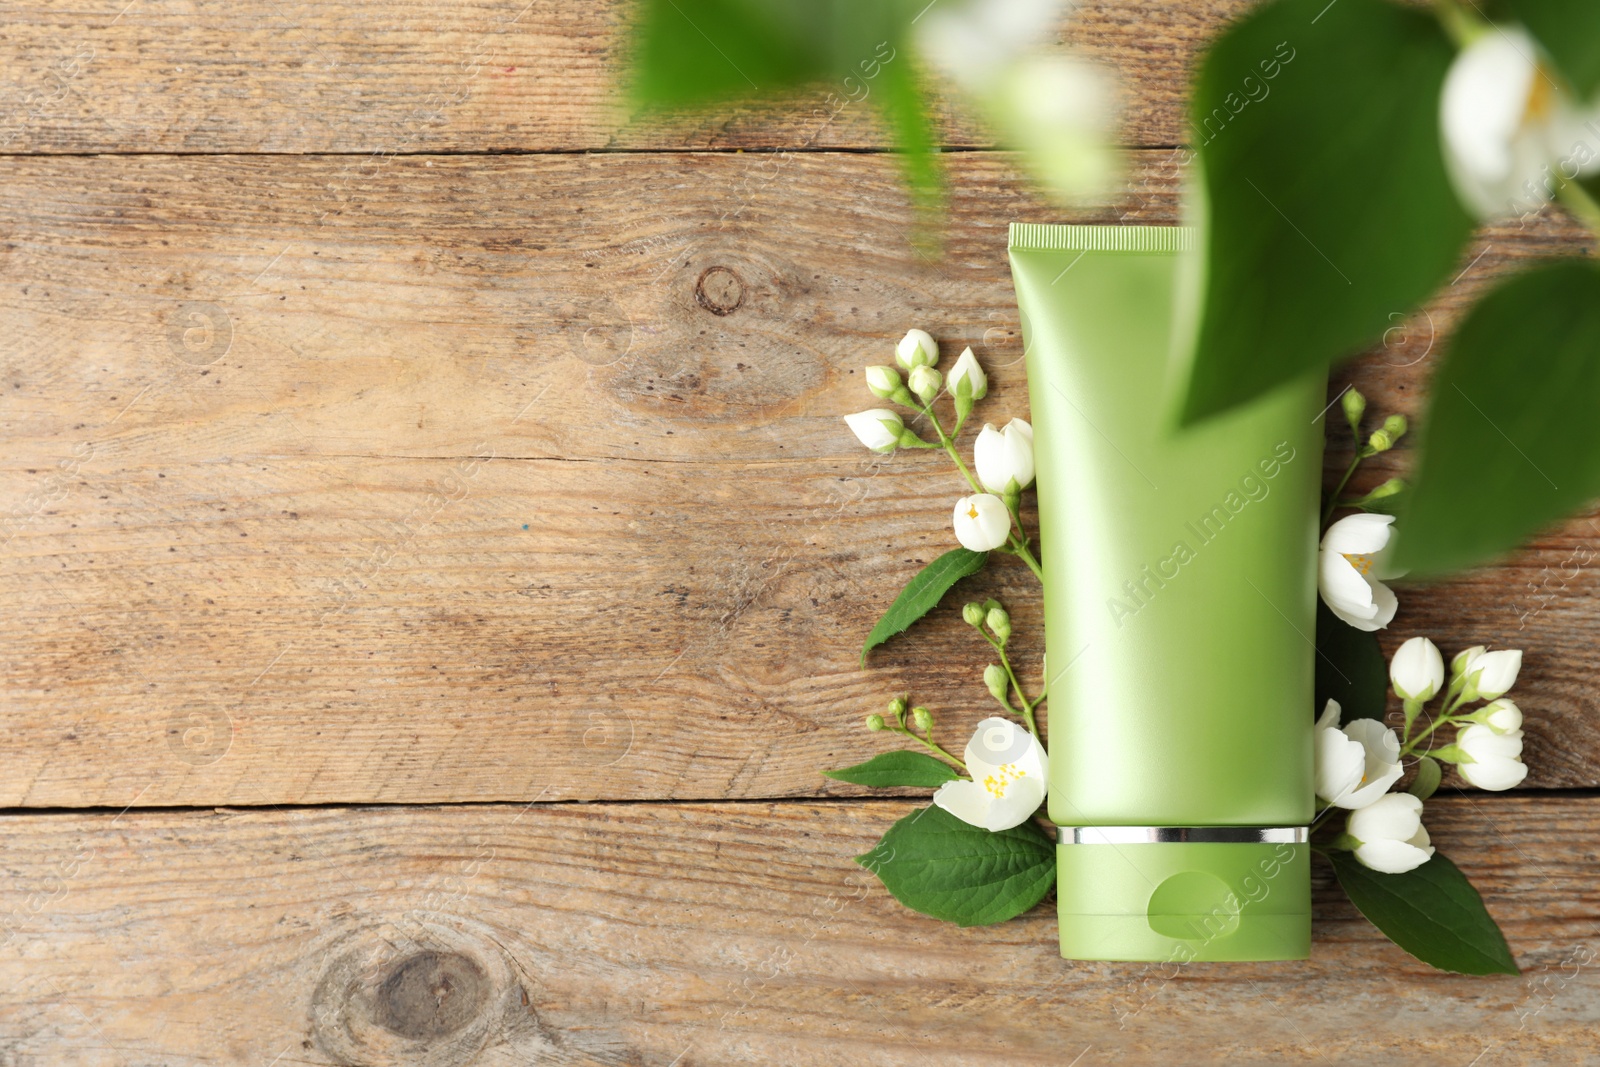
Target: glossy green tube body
{"x":1180,"y":606}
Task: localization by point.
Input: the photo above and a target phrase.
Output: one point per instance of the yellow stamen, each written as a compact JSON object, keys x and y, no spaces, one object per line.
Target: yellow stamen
{"x":1361,"y":561}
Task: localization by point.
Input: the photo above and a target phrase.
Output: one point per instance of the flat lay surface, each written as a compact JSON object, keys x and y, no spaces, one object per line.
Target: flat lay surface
{"x":436,"y":572}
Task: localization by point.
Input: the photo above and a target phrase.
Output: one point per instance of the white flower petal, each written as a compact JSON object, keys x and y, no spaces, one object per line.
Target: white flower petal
{"x":1495,"y":775}
{"x":967,"y":801}
{"x":1329,"y":719}
{"x":1344,"y":589}
{"x":1392,"y":857}
{"x":1384,"y":605}
{"x":1021,"y":800}
{"x":1362,"y":534}
{"x":1340,"y":764}
{"x":1395,"y":818}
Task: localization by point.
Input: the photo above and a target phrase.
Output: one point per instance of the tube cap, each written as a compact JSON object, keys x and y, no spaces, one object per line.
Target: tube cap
{"x":1183,"y":901}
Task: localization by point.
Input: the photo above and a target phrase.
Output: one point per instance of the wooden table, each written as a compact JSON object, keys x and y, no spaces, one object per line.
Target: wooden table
{"x":435,"y":566}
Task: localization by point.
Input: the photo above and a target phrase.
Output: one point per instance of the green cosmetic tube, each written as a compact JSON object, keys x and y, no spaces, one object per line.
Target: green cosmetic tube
{"x":1180,"y":611}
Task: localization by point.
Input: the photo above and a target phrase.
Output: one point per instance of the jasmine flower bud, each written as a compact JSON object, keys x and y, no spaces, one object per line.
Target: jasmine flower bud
{"x":925,"y":382}
{"x":1000,"y":623}
{"x":897,"y":708}
{"x":875,"y":722}
{"x":1494,"y":759}
{"x":923,"y":718}
{"x":1458,"y":664}
{"x":884,"y":382}
{"x":1354,"y":405}
{"x":1004,"y":456}
{"x":1417,"y":670}
{"x":995,"y":679}
{"x":973,"y":613}
{"x":1491,"y":674}
{"x":1502,"y":716}
{"x":967,"y":383}
{"x":916,"y":349}
{"x":879,"y":429}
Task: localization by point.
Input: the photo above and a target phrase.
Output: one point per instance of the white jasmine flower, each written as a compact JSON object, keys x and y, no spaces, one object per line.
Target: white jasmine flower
{"x":879,"y":429}
{"x":917,"y":349}
{"x":982,"y":522}
{"x":1390,"y":833}
{"x":1496,"y":757}
{"x":1417,"y":669}
{"x":1356,"y":764}
{"x":968,"y":375}
{"x":1492,"y":674}
{"x":1501,"y":716}
{"x":1511,"y":134}
{"x":1009,"y":774}
{"x":1002,"y":456}
{"x":1347,"y":569}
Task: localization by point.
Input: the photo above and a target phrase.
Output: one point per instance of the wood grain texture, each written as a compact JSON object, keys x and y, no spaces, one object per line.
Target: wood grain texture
{"x":698,"y":934}
{"x":482,"y":75}
{"x":485,"y":483}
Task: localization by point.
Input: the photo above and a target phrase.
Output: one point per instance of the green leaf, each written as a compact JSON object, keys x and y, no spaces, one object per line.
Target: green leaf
{"x":1570,"y":32}
{"x":934,"y":863}
{"x":923,"y":593}
{"x":902,"y":101}
{"x":1432,"y":912}
{"x":1511,"y":442}
{"x":696,"y":51}
{"x":1350,"y":669}
{"x":896,"y":768}
{"x":1426,"y":783}
{"x":1326,"y":204}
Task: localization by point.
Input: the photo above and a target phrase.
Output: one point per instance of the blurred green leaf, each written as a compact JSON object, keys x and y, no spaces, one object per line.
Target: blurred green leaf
{"x":1326,"y":202}
{"x":692,"y":53}
{"x":903,"y":103}
{"x":1570,"y":32}
{"x":1350,"y":669}
{"x":697,"y":51}
{"x":1432,"y":912}
{"x":1511,"y":441}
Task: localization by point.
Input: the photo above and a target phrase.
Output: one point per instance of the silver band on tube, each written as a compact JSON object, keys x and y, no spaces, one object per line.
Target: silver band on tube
{"x":1151,"y":835}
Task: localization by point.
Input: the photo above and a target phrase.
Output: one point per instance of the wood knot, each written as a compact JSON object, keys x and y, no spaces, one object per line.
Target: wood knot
{"x":430,"y":992}
{"x":431,"y":995}
{"x":719,"y":290}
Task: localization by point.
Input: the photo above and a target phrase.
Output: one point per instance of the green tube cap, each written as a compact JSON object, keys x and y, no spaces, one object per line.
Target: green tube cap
{"x":1184,"y":901}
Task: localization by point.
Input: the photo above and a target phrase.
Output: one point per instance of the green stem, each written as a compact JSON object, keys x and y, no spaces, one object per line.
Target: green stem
{"x":1333,"y":497}
{"x":1460,"y":25}
{"x":929,"y":744}
{"x":1578,"y":201}
{"x":1014,"y":544}
{"x":1445,"y":716}
{"x":1022,"y":696}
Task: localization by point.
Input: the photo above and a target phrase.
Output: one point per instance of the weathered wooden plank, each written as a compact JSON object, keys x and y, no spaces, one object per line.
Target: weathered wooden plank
{"x":268,"y":472}
{"x":269,"y":76}
{"x":706,"y":934}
